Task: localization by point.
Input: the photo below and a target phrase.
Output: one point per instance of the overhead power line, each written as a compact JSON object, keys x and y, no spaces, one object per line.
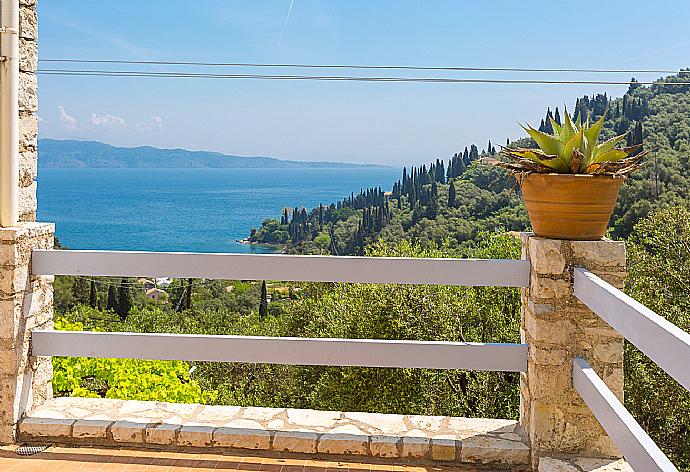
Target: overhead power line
{"x":191,"y":75}
{"x":360,"y":67}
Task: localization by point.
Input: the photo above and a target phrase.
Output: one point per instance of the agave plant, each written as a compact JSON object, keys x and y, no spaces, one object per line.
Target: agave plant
{"x":572,"y":149}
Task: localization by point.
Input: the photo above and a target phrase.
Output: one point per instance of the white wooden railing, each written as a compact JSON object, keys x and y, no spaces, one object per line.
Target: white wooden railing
{"x":662,"y":341}
{"x":294,"y":351}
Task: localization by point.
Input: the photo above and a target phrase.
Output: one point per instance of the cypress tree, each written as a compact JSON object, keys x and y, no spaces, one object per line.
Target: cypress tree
{"x":263,"y":303}
{"x":188,"y":295}
{"x":124,"y":299}
{"x":557,"y":117}
{"x":451,"y":194}
{"x":80,"y":291}
{"x":93,"y":295}
{"x":111,"y":304}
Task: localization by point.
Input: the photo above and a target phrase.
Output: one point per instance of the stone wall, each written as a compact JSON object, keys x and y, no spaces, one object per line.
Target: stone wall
{"x":28,"y":108}
{"x":26,"y":301}
{"x":558,"y":327}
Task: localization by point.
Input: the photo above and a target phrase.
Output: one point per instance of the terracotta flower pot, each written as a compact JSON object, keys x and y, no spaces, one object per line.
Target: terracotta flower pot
{"x":567,"y":206}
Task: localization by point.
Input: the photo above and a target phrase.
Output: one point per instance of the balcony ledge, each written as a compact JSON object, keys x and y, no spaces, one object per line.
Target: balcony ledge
{"x":159,"y":425}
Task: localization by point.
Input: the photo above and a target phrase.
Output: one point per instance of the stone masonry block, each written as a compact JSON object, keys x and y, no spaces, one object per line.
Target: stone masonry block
{"x":128,"y":431}
{"x":28,"y":23}
{"x":415,"y":446}
{"x":599,"y":254}
{"x":164,"y":434}
{"x":27,"y":202}
{"x":198,"y":436}
{"x":443,"y":448}
{"x":384,"y":446}
{"x":28,"y":58}
{"x":343,"y":443}
{"x":555,"y":332}
{"x":46,"y":427}
{"x":545,"y":288}
{"x":28,"y":132}
{"x":490,"y":450}
{"x":93,"y":429}
{"x":547,"y":256}
{"x":242,"y":438}
{"x":28,"y":92}
{"x":295,"y":441}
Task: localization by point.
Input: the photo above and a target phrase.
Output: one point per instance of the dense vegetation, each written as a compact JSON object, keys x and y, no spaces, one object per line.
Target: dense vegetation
{"x":456,"y":199}
{"x":456,"y":208}
{"x":479,"y":314}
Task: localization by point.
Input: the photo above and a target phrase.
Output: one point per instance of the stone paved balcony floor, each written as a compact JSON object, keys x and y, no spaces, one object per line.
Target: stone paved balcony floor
{"x":87,"y":459}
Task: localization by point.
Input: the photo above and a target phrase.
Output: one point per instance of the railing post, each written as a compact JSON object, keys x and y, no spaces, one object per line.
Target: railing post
{"x":558,"y":327}
{"x":25,"y":301}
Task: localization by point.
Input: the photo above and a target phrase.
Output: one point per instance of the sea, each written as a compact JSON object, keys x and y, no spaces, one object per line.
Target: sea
{"x":186,"y":210}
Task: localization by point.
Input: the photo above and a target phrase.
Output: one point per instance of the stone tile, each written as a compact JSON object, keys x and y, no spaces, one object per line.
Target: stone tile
{"x":261,"y":414}
{"x":128,"y":431}
{"x":242,"y":438}
{"x":46,"y":427}
{"x":385,"y":446}
{"x":490,"y":450}
{"x":549,"y":464}
{"x":387,"y":424}
{"x":343,"y":443}
{"x":481,"y":425}
{"x":162,"y":434}
{"x":602,"y":465}
{"x":295,"y":441}
{"x":218,"y":414}
{"x":198,"y":436}
{"x":443,"y":448}
{"x":313,"y":418}
{"x":90,"y":429}
{"x":244,"y":424}
{"x":427,"y":423}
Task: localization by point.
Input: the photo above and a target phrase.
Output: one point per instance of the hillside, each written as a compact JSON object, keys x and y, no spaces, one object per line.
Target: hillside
{"x":453,"y":202}
{"x":69,"y":154}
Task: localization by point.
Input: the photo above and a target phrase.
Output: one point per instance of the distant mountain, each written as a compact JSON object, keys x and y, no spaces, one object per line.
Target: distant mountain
{"x":70,"y":154}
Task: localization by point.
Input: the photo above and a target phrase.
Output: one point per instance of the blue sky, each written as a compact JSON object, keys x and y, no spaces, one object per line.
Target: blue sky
{"x":388,"y":123}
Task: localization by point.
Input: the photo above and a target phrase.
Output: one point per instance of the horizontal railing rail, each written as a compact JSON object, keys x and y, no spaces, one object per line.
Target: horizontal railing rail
{"x":637,"y":447}
{"x":385,"y":270}
{"x":275,"y":350}
{"x":660,"y":340}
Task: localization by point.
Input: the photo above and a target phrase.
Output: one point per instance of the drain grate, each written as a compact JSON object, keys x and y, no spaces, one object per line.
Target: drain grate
{"x":26,"y":450}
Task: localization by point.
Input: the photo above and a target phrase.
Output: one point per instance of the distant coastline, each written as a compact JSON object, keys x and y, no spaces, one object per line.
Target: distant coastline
{"x":68,"y":154}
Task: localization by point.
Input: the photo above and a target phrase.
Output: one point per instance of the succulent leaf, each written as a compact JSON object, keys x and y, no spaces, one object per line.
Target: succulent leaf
{"x":606,"y":146}
{"x":549,"y":144}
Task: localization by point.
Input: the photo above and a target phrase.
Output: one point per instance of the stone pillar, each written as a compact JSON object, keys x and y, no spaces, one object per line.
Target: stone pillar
{"x":28,"y":108}
{"x":558,"y":327}
{"x":26,"y":303}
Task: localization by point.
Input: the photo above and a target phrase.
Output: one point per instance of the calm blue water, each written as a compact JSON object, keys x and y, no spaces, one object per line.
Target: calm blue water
{"x":203,"y":210}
